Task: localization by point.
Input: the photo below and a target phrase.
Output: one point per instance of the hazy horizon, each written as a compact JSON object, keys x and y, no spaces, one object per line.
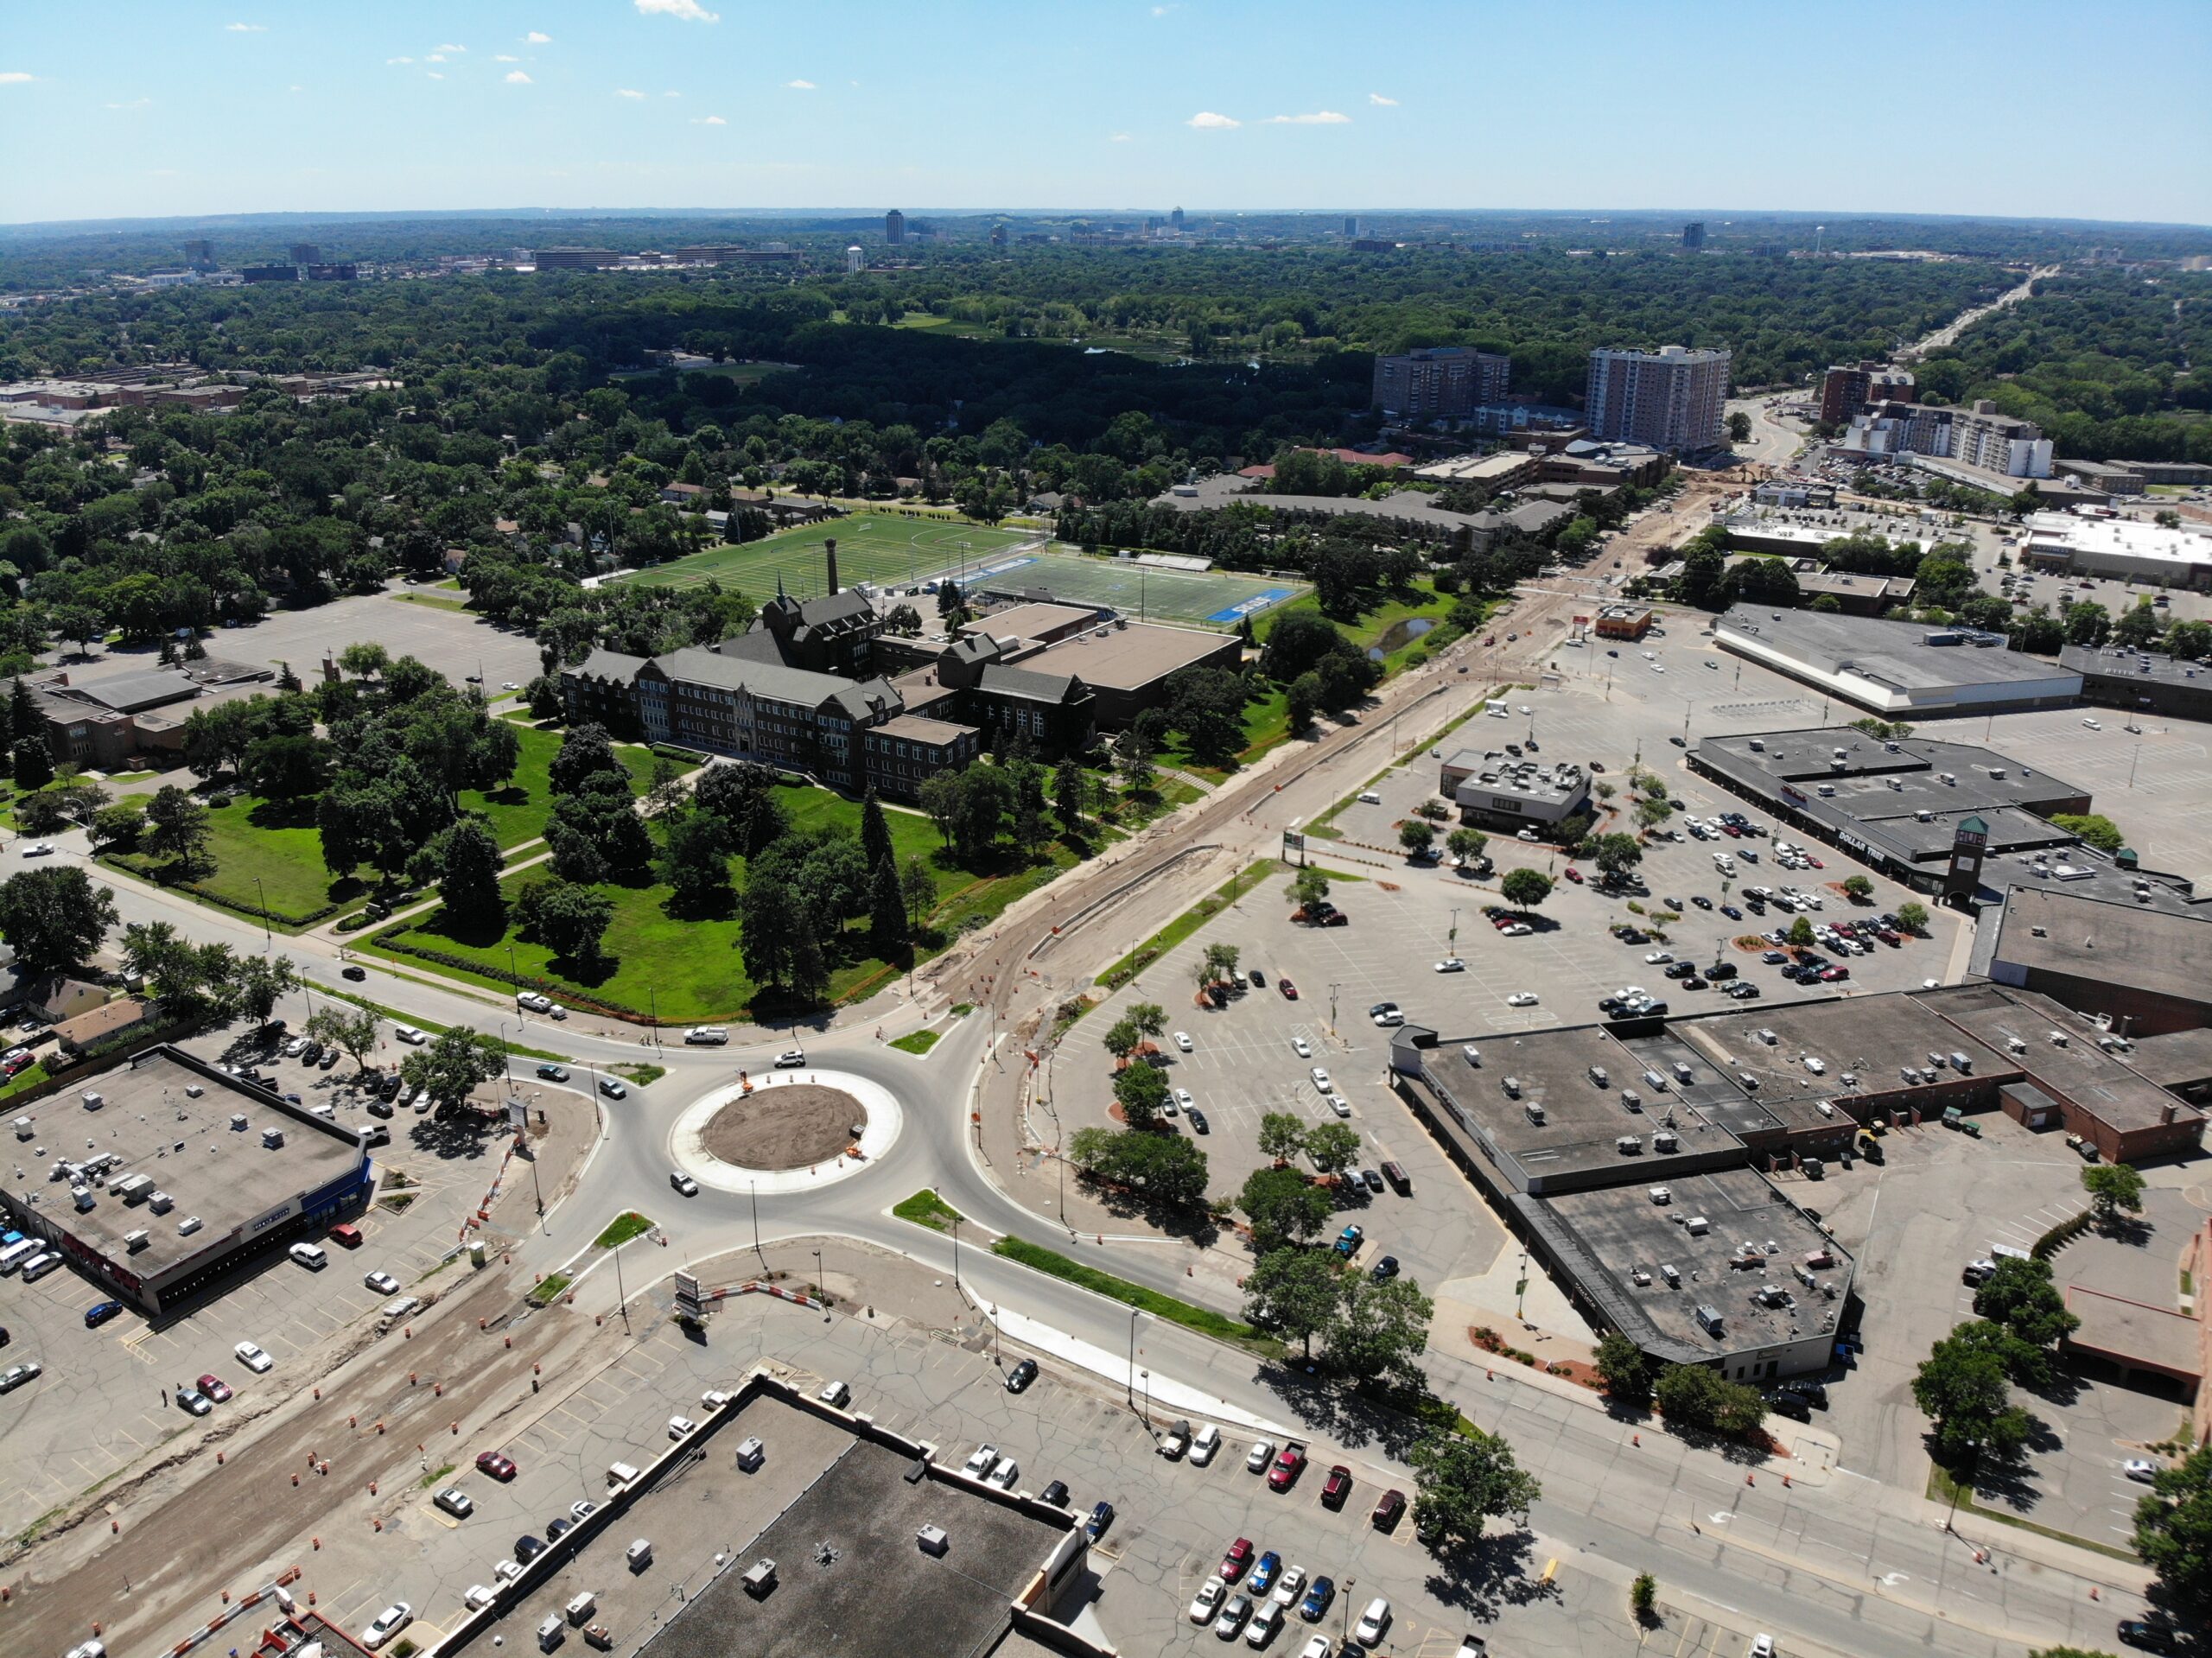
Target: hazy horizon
{"x":183,"y":109}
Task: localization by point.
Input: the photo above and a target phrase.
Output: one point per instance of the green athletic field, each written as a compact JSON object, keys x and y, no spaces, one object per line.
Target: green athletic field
{"x":1206,"y":598}
{"x":880,"y":548}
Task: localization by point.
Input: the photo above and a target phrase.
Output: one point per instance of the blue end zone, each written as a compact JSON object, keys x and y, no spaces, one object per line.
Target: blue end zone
{"x":1257,"y":602}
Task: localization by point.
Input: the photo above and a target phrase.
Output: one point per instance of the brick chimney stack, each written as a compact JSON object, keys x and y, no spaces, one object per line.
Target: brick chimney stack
{"x":830,"y":549}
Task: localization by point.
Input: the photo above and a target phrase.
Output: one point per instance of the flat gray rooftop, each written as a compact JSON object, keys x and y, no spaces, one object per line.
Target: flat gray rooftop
{"x":1868,"y":1037}
{"x":1582,"y":1120}
{"x":2161,"y":949}
{"x":2114,"y":1091}
{"x":1622,"y":1230}
{"x":2174,"y":1059}
{"x":1889,"y":653}
{"x":1127,"y":658}
{"x":882,"y":1596}
{"x":2120,"y":662}
{"x":1982,"y":777}
{"x":150,"y":1118}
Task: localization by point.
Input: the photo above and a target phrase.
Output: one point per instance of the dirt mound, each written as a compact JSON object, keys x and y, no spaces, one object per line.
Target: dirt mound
{"x":787,"y":1127}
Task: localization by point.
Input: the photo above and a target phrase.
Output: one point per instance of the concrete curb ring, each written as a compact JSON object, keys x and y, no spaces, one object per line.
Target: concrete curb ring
{"x":687,"y":1140}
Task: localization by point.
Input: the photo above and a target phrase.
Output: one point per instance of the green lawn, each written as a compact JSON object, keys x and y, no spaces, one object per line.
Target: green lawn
{"x":916,"y":1041}
{"x":1205,"y":1320}
{"x":881,"y":547}
{"x":279,"y":845}
{"x":681,"y":970}
{"x":926,"y":1209}
{"x":624,"y":1226}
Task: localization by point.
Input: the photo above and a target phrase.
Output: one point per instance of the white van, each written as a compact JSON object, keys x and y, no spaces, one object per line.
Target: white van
{"x":708,"y":1035}
{"x":13,"y":1257}
{"x":38,"y":1265}
{"x":309,"y":1256}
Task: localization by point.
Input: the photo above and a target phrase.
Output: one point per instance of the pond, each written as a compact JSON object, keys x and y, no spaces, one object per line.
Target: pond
{"x":1399,"y":633}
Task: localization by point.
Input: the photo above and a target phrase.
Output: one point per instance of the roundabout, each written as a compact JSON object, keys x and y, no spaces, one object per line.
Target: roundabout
{"x":788,"y":1132}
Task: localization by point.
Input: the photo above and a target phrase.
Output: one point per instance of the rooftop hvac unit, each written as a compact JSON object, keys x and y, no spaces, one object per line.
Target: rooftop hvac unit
{"x":134,"y":1241}
{"x":932,"y":1540}
{"x":1664,"y":1141}
{"x":1628,"y":1144}
{"x":1536,"y":1110}
{"x":187,"y":1226}
{"x":1674,"y":1279}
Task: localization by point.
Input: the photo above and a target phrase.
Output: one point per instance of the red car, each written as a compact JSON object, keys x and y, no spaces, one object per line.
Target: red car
{"x":1290,"y":990}
{"x":1338,"y":1488}
{"x":215,"y":1388}
{"x":1574,"y":874}
{"x":1815,"y":862}
{"x":1233,"y":1563}
{"x":1289,"y":1465}
{"x":1731,"y":831}
{"x":491,"y":1462}
{"x":1834,"y":974}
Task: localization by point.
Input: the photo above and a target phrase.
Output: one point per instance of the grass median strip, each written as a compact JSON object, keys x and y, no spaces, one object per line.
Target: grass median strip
{"x":549,"y":1292}
{"x":926,"y":1209}
{"x":624,"y":1226}
{"x":916,"y":1041}
{"x":1205,"y":1320}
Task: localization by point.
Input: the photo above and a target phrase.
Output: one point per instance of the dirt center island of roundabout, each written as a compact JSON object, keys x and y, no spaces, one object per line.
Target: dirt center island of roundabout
{"x":785,"y":1131}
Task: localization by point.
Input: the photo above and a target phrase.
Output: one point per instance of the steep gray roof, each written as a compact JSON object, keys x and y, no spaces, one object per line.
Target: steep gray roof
{"x":1028,"y":683}
{"x":609,"y":664}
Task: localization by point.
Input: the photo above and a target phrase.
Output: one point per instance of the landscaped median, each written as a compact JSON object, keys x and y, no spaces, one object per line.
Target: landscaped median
{"x":1205,"y":1320}
{"x":620,"y":1230}
{"x":926,"y":1209}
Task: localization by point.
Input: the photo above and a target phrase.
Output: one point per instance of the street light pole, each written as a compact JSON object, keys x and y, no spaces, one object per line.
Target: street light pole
{"x":1131,"y":1389}
{"x":268,"y":937}
{"x":622,"y":1295}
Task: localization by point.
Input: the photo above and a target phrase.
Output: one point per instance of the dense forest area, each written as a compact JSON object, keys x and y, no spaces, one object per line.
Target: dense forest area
{"x":2109,"y":363}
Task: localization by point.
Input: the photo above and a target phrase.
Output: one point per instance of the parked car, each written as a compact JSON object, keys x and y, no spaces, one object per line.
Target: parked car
{"x":493,"y":1463}
{"x":1101,"y":1516}
{"x":1289,"y":1464}
{"x":1389,"y":1510}
{"x":1336,"y":1488}
{"x":459,"y":1504}
{"x":1261,"y":1453}
{"x":1019,"y":1378}
{"x":1316,"y":1605}
{"x":387,"y":1624}
{"x":1235,"y":1561}
{"x":100,"y":1312}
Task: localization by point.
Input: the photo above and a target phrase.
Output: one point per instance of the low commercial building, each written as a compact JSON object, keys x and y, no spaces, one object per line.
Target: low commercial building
{"x":1493,"y":789}
{"x":1897,"y":668}
{"x":1630,"y":622}
{"x":834,"y":1534}
{"x":2178,"y":472}
{"x":2141,"y":681}
{"x":2125,"y":548}
{"x":2109,"y":476}
{"x":2145,"y":966}
{"x":192,"y":1174}
{"x":1794,"y":493}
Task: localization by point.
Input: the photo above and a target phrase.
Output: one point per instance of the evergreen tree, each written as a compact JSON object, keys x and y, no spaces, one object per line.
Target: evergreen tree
{"x":886,"y":912}
{"x":875,"y":834}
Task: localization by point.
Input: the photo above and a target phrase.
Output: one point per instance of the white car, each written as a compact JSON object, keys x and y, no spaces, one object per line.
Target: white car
{"x":2093,"y":725}
{"x":714,"y":1398}
{"x":1369,"y":797}
{"x":1004,"y":1475}
{"x":1257,"y":1458}
{"x":1183,"y":1040}
{"x":582,"y":1511}
{"x":1182,"y":1099}
{"x":1299,"y":1043}
{"x":1518,"y":929}
{"x":38,"y":850}
{"x":1451,"y":964}
{"x":295,"y":1047}
{"x":791,"y":1056}
{"x":410,"y":1035}
{"x":1659,"y":956}
{"x":1265,"y":1621}
{"x":1372,"y":1622}
{"x":1762,"y":1646}
{"x":2137,"y":1468}
{"x":389,"y":1623}
{"x":1320,"y":1078}
{"x":682,"y":1427}
{"x":532,"y":1002}
{"x":478,"y":1596}
{"x":1316,"y":1648}
{"x":1203,"y":1445}
{"x":252,"y":1357}
{"x":1290,"y":1588}
{"x":381,"y":1283}
{"x":1522,"y":998}
{"x":509,"y":685}
{"x":1208,"y":1600}
{"x":981,"y":1461}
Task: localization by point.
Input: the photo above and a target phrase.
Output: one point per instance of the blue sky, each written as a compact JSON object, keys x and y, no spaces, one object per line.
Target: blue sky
{"x":153,"y":107}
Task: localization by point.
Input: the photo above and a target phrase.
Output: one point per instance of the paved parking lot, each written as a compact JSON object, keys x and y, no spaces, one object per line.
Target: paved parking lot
{"x":2155,"y":783}
{"x":1941,"y":1200}
{"x":1173,"y":1520}
{"x":106,"y":1397}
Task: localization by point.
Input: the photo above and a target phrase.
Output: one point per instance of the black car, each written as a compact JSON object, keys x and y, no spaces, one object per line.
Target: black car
{"x":1019,"y":1378}
{"x":1102,"y":1516}
{"x":553,"y":1073}
{"x":350,"y":971}
{"x":1674,"y":904}
{"x":1790,"y":1405}
{"x":1056,"y":1494}
{"x":560,"y":1524}
{"x":1700,"y":900}
{"x":1731,"y":912}
{"x":1722,"y":970}
{"x":528,"y":1548}
{"x":1814,"y":1394}
{"x":1744,"y":990}
{"x":1197,"y":1121}
{"x":380,"y":1108}
{"x":1694,"y":983}
{"x":2152,"y":1637}
{"x":389,"y":1088}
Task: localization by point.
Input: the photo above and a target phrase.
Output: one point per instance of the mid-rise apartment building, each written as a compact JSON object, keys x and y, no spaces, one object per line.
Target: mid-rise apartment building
{"x":1849,"y":388}
{"x":1979,"y":437}
{"x":1439,"y":382}
{"x":1670,"y":399}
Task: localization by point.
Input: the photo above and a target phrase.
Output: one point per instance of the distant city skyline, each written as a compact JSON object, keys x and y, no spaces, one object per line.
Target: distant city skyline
{"x":158,"y":108}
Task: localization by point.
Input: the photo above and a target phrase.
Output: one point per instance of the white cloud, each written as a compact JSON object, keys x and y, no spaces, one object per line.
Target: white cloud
{"x":1387,"y":103}
{"x":297,"y":87}
{"x":688,"y":11}
{"x":399,"y":60}
{"x":245,"y":29}
{"x":453,"y":49}
{"x":507,"y":57}
{"x":625,"y":92}
{"x":1119,"y":138}
{"x":516,"y":78}
{"x":134,"y":103}
{"x":1319,"y":118}
{"x":1161,"y":11}
{"x":14,"y":77}
{"x":434,"y":74}
{"x":800,"y":86}
{"x":671,"y":94}
{"x":1207,"y":121}
{"x":710,"y":121}
{"x":535,"y":39}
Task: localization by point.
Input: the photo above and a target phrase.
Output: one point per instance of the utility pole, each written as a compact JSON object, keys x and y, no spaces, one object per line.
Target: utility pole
{"x":1333,"y":989}
{"x":268,"y":937}
{"x":622,"y":1296}
{"x":1131,"y":1389}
